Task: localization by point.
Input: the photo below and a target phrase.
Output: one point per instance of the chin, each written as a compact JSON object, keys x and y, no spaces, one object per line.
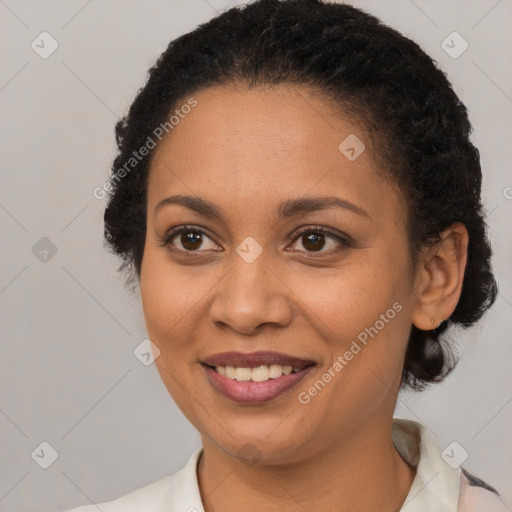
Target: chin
{"x":270,"y":441}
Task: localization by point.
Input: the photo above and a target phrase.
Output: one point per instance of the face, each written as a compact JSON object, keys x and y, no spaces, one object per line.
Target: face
{"x":274,"y":272}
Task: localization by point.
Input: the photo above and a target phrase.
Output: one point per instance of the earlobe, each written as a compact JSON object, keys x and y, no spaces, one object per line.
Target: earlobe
{"x":441,"y":277}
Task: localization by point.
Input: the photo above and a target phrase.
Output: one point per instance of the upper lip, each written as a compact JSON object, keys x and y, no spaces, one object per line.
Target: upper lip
{"x":254,"y":359}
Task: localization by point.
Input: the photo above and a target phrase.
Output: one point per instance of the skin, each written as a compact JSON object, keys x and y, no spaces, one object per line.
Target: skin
{"x":246,"y":151}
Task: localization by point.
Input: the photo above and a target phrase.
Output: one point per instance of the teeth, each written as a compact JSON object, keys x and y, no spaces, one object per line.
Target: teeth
{"x":275,"y":371}
{"x":257,"y":374}
{"x":243,"y":374}
{"x":260,"y":373}
{"x":230,"y":372}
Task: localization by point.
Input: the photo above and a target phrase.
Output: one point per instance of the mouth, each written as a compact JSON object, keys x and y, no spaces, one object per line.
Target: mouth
{"x":257,"y":377}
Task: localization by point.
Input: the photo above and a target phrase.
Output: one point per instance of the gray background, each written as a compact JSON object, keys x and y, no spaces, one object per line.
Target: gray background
{"x":68,"y":375}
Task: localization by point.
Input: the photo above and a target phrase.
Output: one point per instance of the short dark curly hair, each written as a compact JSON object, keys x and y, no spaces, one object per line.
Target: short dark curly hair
{"x":374,"y":75}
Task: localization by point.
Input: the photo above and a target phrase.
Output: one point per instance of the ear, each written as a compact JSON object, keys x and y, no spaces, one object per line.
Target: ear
{"x":439,"y":278}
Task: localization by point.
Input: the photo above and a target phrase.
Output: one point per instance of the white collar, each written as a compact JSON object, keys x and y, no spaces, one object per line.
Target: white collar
{"x":436,"y":485}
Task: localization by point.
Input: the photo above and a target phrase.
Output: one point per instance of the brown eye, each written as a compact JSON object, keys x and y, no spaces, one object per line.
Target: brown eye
{"x":189,"y":238}
{"x":315,"y":239}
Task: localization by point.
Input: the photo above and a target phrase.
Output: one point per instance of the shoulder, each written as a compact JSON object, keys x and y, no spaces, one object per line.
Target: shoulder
{"x":142,"y":499}
{"x":478,"y":496}
{"x":179,"y":491}
{"x":439,"y":485}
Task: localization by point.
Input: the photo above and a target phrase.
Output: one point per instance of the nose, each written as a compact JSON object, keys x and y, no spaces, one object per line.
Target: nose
{"x":250,"y":296}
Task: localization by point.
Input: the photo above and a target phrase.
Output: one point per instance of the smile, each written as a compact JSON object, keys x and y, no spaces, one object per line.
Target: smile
{"x":242,"y":385}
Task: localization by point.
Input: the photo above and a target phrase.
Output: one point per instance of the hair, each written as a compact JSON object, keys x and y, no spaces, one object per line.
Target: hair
{"x":374,"y":76}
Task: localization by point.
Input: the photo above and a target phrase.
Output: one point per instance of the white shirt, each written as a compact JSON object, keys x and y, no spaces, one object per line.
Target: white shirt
{"x":437,"y":487}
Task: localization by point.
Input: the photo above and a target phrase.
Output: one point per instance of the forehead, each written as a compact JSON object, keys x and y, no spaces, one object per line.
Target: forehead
{"x":252,"y":148}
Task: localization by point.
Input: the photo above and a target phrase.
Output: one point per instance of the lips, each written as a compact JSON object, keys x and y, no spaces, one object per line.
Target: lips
{"x":254,"y":392}
{"x":254,"y":359}
{"x":230,"y":374}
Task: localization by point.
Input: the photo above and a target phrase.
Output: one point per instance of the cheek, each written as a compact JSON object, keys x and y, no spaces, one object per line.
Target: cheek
{"x":174,"y":300}
{"x":344,"y":303}
{"x":156,"y":294}
{"x":168,"y":295}
{"x":164,"y":306}
{"x":166,"y":301}
{"x":366,"y":340}
{"x":361,"y":314}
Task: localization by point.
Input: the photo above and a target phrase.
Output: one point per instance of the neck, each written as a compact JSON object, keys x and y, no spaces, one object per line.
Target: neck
{"x":362,"y":472}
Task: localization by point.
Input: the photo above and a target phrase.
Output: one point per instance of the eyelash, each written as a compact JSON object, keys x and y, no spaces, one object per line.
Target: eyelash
{"x":345,"y":242}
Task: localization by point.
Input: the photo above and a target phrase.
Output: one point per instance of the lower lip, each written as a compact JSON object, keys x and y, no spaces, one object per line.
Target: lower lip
{"x":249,"y":392}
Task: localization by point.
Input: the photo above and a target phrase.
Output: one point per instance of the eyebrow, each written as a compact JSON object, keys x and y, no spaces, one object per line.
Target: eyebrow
{"x":286,"y":209}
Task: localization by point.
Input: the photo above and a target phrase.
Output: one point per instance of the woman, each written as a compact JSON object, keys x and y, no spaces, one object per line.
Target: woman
{"x":296,"y":195}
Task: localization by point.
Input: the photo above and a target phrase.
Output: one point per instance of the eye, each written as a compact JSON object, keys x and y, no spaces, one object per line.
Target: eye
{"x":191,"y":239}
{"x":313,"y":238}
